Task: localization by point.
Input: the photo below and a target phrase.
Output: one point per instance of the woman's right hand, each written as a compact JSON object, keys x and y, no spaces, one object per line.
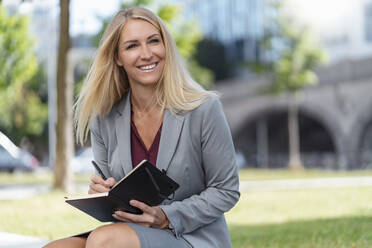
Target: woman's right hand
{"x":98,"y":185}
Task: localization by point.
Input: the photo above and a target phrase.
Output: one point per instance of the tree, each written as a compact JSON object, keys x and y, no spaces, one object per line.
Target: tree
{"x":186,"y":35}
{"x":22,"y":112}
{"x":298,"y":55}
{"x":64,"y":144}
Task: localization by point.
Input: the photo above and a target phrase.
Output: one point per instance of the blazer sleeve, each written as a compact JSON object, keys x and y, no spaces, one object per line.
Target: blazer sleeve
{"x":221,"y":176}
{"x":99,"y":148}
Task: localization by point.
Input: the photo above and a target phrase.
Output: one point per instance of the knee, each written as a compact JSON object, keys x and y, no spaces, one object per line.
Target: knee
{"x":100,"y":237}
{"x":112,"y":235}
{"x":66,"y":242}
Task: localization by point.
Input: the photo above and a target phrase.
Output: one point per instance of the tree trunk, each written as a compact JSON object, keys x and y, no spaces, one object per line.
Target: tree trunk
{"x":294,"y":134}
{"x":262,"y":144}
{"x":64,"y":135}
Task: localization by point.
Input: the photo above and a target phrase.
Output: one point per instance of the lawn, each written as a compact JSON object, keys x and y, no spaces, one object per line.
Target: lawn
{"x":320,"y":218}
{"x":311,"y":218}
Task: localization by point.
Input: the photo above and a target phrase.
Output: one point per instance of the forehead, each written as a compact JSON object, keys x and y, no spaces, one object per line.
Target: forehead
{"x":137,"y":29}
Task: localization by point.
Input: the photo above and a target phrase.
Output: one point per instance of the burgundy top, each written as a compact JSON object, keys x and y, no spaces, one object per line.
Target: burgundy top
{"x":139,"y":151}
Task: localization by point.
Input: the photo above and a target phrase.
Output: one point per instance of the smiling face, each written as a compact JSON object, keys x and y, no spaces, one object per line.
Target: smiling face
{"x":141,"y":52}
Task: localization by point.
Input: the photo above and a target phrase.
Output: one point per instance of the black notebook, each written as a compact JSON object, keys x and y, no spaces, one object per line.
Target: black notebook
{"x":145,"y":183}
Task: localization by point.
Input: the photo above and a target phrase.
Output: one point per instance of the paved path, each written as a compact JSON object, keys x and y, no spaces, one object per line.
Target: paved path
{"x":10,"y":240}
{"x":14,"y":192}
{"x":11,"y":192}
{"x":307,"y":183}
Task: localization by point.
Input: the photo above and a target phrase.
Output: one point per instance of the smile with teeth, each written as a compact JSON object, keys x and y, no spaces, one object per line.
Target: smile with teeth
{"x":148,"y":67}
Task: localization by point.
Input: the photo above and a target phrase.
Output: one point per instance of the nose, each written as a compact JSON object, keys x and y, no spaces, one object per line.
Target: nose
{"x":146,"y":52}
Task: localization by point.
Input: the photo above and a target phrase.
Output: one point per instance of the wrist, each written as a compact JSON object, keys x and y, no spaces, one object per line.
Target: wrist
{"x":166,"y":224}
{"x":166,"y":221}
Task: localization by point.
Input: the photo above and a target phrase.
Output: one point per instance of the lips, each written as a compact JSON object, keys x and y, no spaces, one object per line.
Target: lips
{"x":149,"y":67}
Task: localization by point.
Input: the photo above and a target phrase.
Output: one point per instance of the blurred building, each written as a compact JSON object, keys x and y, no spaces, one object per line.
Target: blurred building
{"x":344,"y":26}
{"x":335,"y":116}
{"x":236,"y":24}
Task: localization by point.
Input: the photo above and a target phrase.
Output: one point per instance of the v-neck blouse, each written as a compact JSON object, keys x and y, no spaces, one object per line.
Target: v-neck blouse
{"x":139,"y":151}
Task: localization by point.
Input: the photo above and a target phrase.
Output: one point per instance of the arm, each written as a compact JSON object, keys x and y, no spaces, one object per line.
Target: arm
{"x":97,"y":184}
{"x":99,"y":148}
{"x":221,"y":176}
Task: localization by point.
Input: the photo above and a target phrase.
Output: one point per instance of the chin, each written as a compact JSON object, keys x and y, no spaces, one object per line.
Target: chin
{"x":149,"y":81}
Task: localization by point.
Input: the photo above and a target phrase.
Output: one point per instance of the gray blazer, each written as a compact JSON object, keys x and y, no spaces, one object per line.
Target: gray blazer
{"x":197,"y":151}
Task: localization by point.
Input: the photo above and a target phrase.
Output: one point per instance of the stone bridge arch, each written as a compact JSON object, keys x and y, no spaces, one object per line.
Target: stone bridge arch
{"x":320,"y":116}
{"x":360,"y":139}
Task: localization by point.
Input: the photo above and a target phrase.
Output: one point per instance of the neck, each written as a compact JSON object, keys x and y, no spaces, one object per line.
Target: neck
{"x":143,"y":97}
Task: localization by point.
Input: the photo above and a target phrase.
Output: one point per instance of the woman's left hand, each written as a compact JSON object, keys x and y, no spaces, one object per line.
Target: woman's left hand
{"x":151,"y":216}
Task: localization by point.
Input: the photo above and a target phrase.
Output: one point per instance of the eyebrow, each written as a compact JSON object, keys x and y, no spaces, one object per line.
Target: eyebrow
{"x":151,"y":36}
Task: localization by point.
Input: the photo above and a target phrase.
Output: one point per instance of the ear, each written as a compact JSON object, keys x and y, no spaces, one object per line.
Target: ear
{"x":118,"y":61}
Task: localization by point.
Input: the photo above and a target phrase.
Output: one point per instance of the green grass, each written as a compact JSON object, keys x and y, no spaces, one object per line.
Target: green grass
{"x":313,"y":218}
{"x":46,"y":216}
{"x":343,"y":232}
{"x":310,"y":218}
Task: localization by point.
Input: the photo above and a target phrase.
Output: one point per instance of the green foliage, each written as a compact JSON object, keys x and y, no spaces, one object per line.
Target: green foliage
{"x":185,"y":33}
{"x":168,"y":12}
{"x":296,"y":53}
{"x":22,"y":112}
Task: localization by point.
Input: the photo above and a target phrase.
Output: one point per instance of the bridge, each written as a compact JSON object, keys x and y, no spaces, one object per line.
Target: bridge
{"x":335,"y":119}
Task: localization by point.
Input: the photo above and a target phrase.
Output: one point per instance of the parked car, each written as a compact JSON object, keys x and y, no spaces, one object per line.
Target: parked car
{"x":13,"y":158}
{"x":82,"y":161}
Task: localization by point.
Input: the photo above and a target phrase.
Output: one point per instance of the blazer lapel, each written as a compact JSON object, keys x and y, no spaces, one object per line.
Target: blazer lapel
{"x":122,"y":126}
{"x":170,"y":133}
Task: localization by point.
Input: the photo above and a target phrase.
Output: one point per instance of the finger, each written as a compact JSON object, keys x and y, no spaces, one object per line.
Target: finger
{"x":98,"y":188}
{"x":97,"y":179}
{"x":135,"y":218}
{"x":110,"y":182}
{"x":144,"y":207}
{"x":118,"y":217}
{"x":91,"y":191}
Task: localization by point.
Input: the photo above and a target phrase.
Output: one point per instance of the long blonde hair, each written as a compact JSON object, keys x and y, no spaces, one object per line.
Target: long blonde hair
{"x":106,"y":82}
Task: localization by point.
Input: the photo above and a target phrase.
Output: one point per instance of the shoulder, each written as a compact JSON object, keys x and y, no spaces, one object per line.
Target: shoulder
{"x":210,"y":104}
{"x":107,"y":119}
{"x":207,"y":112}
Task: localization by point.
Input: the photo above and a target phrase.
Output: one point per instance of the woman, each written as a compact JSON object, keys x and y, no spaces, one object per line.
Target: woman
{"x":139,"y":102}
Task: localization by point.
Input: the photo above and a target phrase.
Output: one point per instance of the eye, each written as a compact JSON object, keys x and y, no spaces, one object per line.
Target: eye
{"x":131,"y":46}
{"x":155,"y":40}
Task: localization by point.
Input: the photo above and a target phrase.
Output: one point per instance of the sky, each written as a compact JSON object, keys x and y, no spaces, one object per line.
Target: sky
{"x":84,"y":14}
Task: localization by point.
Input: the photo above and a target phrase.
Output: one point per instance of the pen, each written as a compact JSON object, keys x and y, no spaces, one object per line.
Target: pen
{"x":99,"y":170}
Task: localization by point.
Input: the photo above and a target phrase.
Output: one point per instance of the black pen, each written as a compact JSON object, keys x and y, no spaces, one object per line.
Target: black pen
{"x":99,"y":170}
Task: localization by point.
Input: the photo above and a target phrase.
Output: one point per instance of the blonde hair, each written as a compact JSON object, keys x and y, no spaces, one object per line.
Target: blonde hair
{"x":106,"y":82}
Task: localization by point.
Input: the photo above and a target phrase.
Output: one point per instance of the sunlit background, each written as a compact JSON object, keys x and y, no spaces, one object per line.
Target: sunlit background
{"x":295,"y":79}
